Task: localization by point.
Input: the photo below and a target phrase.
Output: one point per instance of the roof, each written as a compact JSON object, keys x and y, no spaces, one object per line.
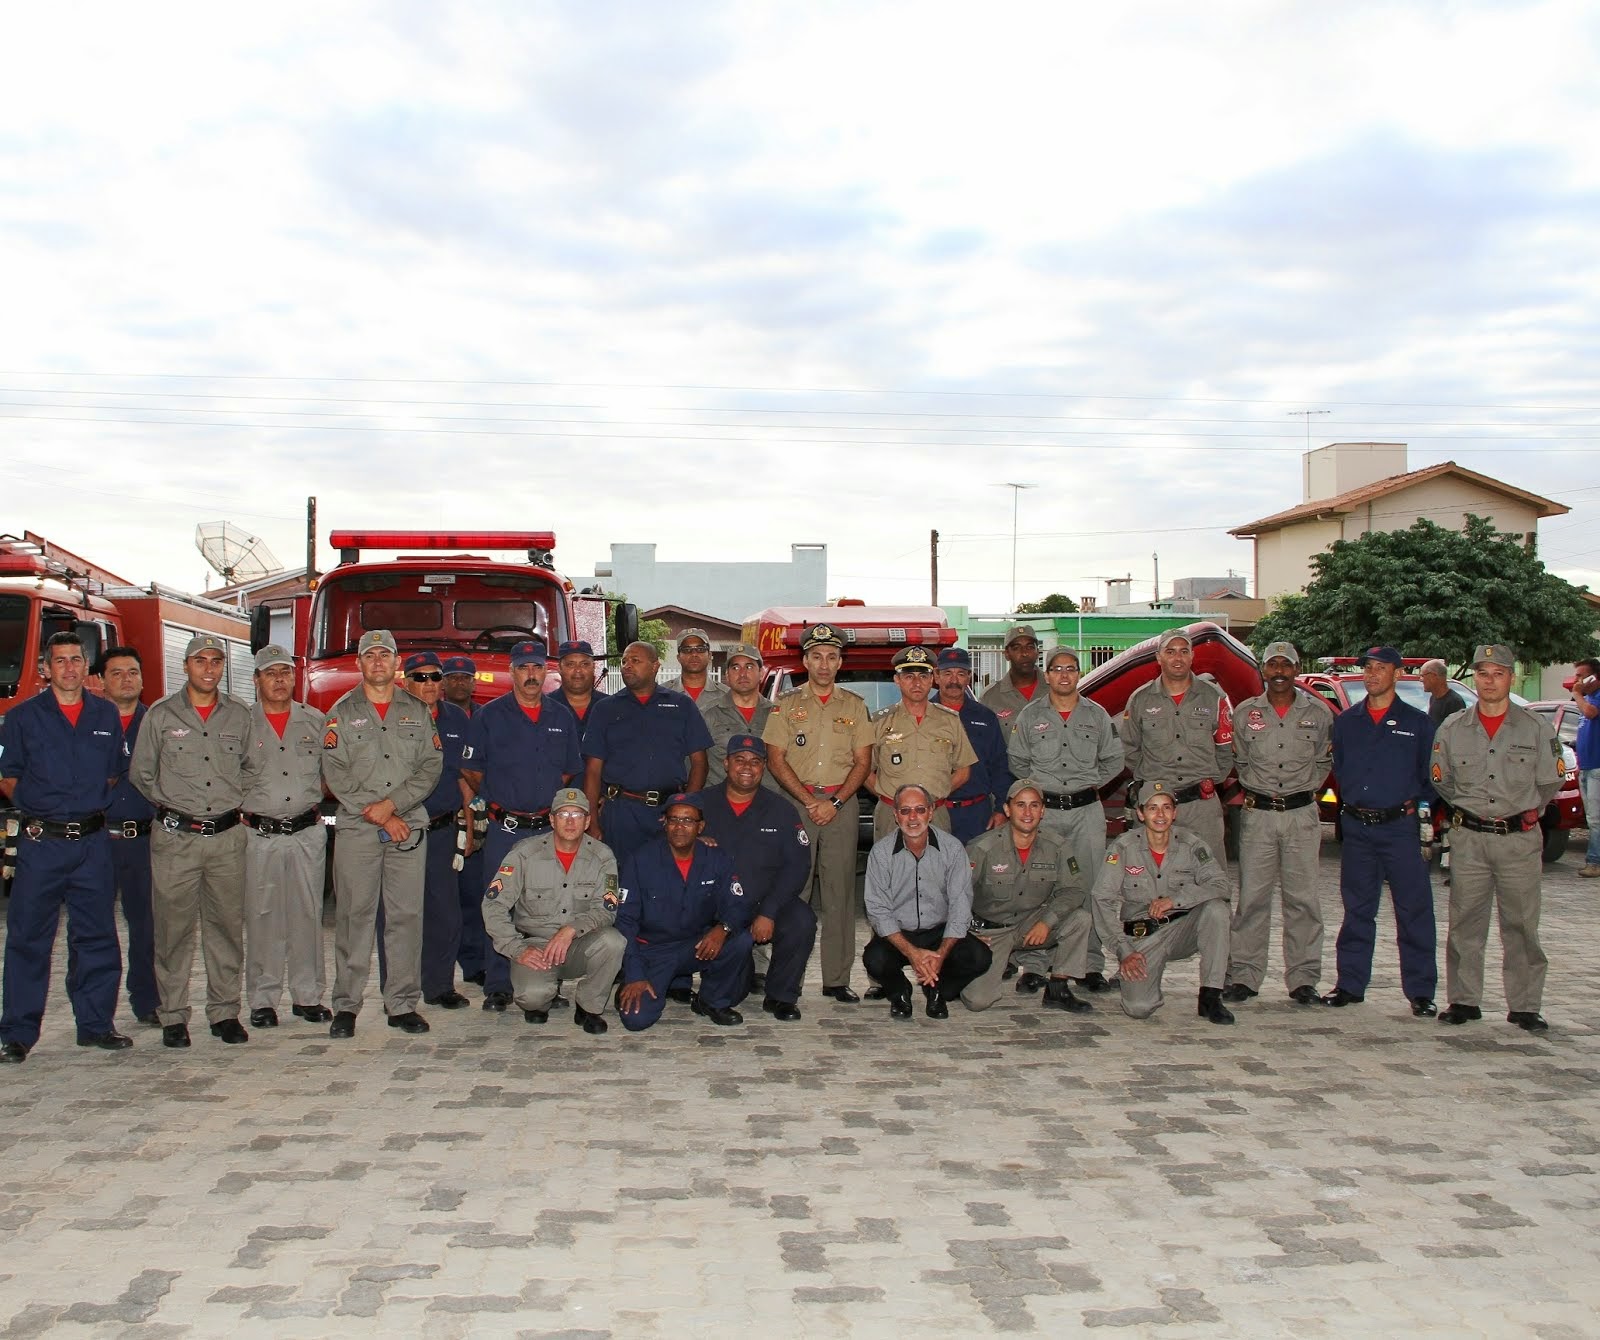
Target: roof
{"x":666,"y":612}
{"x":1348,"y":502}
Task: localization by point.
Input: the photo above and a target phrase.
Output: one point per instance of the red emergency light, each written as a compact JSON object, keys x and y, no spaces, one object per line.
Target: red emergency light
{"x":350,"y":543}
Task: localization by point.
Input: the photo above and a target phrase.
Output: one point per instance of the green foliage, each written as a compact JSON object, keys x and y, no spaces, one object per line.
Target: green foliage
{"x":1055,"y":603}
{"x":653,"y":631}
{"x":1435,"y":592}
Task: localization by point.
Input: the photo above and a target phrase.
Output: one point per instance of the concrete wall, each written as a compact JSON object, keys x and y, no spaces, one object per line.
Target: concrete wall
{"x":1341,"y":466}
{"x":1446,"y":501}
{"x":729,"y":590}
{"x":1283,"y":557}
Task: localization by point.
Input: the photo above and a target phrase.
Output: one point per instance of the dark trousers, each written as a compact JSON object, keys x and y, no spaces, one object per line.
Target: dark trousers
{"x":968,"y":960}
{"x":130,"y":863}
{"x":970,"y":821}
{"x":723,"y":981}
{"x":470,"y":885}
{"x":1373,"y":854}
{"x":441,"y":918}
{"x":628,"y":825}
{"x":794,"y":934}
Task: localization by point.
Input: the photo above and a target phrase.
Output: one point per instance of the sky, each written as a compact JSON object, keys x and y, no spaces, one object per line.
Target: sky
{"x":728,"y":277}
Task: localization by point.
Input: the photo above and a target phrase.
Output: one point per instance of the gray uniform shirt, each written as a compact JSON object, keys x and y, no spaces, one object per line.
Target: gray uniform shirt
{"x":724,"y":721}
{"x":1003,"y":699}
{"x":283,"y":778}
{"x":1521,"y":769}
{"x":367,"y":758}
{"x":904,"y":893}
{"x":531,"y":897}
{"x":1280,"y":755}
{"x":1180,"y":743}
{"x":1066,"y":756}
{"x":1130,"y":880}
{"x":190,"y":765}
{"x":1008,"y":892}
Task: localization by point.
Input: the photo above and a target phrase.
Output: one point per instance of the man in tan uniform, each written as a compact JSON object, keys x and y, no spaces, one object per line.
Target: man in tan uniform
{"x":917,"y":742}
{"x":819,"y":747}
{"x":1007,"y":697}
{"x":1498,"y":765}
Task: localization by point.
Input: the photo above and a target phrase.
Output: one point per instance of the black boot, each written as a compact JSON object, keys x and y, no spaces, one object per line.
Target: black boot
{"x":1058,"y":996}
{"x":1211,"y":1006}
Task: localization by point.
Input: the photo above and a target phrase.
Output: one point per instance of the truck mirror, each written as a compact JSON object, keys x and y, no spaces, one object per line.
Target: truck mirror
{"x":627,"y":621}
{"x":260,"y":627}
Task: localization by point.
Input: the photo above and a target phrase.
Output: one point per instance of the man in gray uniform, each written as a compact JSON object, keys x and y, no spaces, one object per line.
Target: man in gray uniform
{"x":736,"y":707}
{"x":1283,"y":742}
{"x":1006,"y":697}
{"x":1498,"y":765}
{"x":1161,"y":896}
{"x":1179,"y":728}
{"x":188,"y":764}
{"x":286,"y":846}
{"x":1028,"y":897}
{"x":1068,"y":744}
{"x":381,"y":758}
{"x":549,"y":910}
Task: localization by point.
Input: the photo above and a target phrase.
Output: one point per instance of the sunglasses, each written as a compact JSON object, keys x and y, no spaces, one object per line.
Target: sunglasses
{"x":425,"y":676}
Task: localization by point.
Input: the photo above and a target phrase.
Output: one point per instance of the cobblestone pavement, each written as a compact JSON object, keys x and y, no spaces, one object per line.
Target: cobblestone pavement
{"x":1307,"y":1173}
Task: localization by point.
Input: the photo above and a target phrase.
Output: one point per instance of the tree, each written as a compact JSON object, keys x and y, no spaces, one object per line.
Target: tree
{"x":653,"y":631}
{"x":1055,"y":603}
{"x":1435,"y":592}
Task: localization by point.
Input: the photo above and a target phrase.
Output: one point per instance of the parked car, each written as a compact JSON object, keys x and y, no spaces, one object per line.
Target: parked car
{"x":1564,"y":716}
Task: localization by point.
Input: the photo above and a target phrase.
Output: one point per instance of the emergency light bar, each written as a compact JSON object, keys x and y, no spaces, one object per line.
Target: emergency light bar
{"x":350,"y":543}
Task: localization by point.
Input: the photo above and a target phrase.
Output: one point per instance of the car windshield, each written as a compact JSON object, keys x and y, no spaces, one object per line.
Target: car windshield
{"x":1411,"y":691}
{"x":876,"y":686}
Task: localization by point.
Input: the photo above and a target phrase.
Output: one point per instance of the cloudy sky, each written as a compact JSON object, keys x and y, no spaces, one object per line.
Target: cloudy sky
{"x":730,"y":276}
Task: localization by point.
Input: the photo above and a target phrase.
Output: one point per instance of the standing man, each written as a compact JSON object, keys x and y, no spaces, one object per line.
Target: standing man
{"x":1027,"y":898}
{"x":61,"y":753}
{"x":549,"y":911}
{"x":460,"y":674}
{"x":1586,"y":693}
{"x":680,"y":911}
{"x":976,"y":805}
{"x":521,"y":749}
{"x":1443,"y":700}
{"x":768,"y":844}
{"x":1006,"y":697}
{"x":1068,"y":745}
{"x":1283,"y":741}
{"x":1381,"y":747}
{"x":380,"y":759}
{"x":694,"y":658}
{"x":1498,"y":765}
{"x":285,"y":848}
{"x":575,"y":662}
{"x":640,"y":748}
{"x":919,"y":902}
{"x":736,"y":708}
{"x":917,"y":742}
{"x":189,"y":763}
{"x":1162,"y":896}
{"x":819,"y":747}
{"x":1179,"y":728}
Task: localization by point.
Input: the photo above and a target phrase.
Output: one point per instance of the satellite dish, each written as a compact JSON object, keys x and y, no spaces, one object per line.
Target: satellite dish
{"x":234,"y":553}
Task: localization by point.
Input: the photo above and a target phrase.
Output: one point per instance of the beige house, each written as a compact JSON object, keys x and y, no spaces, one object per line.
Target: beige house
{"x":1352,"y":488}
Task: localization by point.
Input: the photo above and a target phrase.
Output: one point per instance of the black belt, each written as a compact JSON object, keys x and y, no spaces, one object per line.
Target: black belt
{"x":1295,"y":800}
{"x":1199,"y":791}
{"x":1371,"y":817}
{"x":1150,"y":925}
{"x":176,"y":821}
{"x":128,"y":828}
{"x":656,"y":797}
{"x":270,"y":827}
{"x":978,"y":923}
{"x":438,"y":821}
{"x":512,"y":820}
{"x":36,"y":826}
{"x":1074,"y":800}
{"x":1515,"y":823}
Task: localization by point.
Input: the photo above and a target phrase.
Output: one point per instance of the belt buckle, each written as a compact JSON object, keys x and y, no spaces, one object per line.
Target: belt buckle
{"x":207,"y":828}
{"x":1141,"y":929}
{"x":169,"y":821}
{"x":510,"y":823}
{"x":266,"y":826}
{"x":1455,"y":818}
{"x":130,"y":828}
{"x":35,"y":830}
{"x":652,"y":797}
{"x":1278,"y":803}
{"x":1249,"y":801}
{"x":72,"y":830}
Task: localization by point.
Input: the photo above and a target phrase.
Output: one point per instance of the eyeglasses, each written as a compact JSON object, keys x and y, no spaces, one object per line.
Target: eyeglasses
{"x":570,"y":814}
{"x":912,"y":809}
{"x":693,"y":651}
{"x":682,"y":820}
{"x":425,"y":676}
{"x":1062,"y":670}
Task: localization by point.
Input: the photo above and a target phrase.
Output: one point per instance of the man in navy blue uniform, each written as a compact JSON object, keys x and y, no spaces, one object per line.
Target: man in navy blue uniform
{"x":460,"y":677}
{"x":521,"y":749}
{"x":575,"y":663}
{"x":61,"y":752}
{"x":682,"y":909}
{"x":641,"y":746}
{"x":763,"y":834}
{"x":1381,"y":748}
{"x":979,"y":803}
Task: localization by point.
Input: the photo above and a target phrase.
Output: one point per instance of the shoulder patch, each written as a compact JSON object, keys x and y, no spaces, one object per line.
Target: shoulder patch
{"x":1072,"y":865}
{"x":330,"y":739}
{"x":1113,"y":858}
{"x":1202,"y":853}
{"x":1438,"y":773}
{"x":800,"y":835}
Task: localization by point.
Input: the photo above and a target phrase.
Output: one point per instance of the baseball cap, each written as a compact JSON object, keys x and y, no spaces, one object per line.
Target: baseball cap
{"x":1019,"y":631}
{"x":694,"y":632}
{"x":203,"y":642}
{"x":912,"y":658}
{"x":956,"y":657}
{"x":821,"y":635}
{"x":419,"y":660}
{"x":569,"y":798}
{"x":272,"y":655}
{"x":1283,"y":649}
{"x":530,"y":652}
{"x":376,"y":637}
{"x":682,"y":798}
{"x":1157,"y":788}
{"x":746,"y":744}
{"x":1494,"y":653}
{"x":1023,"y":784}
{"x":1175,"y":635}
{"x":742,"y":649}
{"x":1063,"y":651}
{"x":574,"y":648}
{"x":1387,"y":655}
{"x":460,"y":665}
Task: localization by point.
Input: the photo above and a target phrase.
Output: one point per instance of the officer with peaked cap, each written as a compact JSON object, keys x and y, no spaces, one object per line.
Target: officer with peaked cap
{"x":917,"y":742}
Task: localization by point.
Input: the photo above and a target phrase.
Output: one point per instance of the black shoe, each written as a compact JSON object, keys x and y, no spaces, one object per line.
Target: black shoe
{"x":843,"y":994}
{"x":716,"y":1013}
{"x":1339,"y":998}
{"x":106,"y":1042}
{"x":1304,"y":995}
{"x":267,"y":1018}
{"x":449,"y":1000}
{"x":784,"y":1010}
{"x":936,"y":1007}
{"x":409,"y":1022}
{"x":900,"y":1007}
{"x":591,"y":1023}
{"x":12,"y":1053}
{"x":536,"y":1016}
{"x":1238,"y":991}
{"x":1531,"y":1020}
{"x":874,"y":992}
{"x":497,"y":1001}
{"x":558,"y":1001}
{"x":1058,"y":996}
{"x":1098,"y":981}
{"x":1030,"y":982}
{"x":1423,"y":1007}
{"x":230,"y":1031}
{"x":476,"y":978}
{"x":343,"y":1026}
{"x":313,"y":1014}
{"x":1460,"y":1014}
{"x":1009,"y":973}
{"x":151,"y":1020}
{"x":682,"y":994}
{"x":758,"y":982}
{"x":175,"y":1035}
{"x":1211,"y":1006}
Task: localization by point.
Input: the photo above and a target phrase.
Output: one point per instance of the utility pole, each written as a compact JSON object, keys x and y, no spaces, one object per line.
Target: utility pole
{"x":1156,"y":559}
{"x":311,"y":542}
{"x":1016,"y":493}
{"x":933,"y":562}
{"x":1306,"y":415}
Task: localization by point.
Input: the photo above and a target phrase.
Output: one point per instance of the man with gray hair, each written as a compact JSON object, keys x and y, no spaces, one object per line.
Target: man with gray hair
{"x":1443,"y":700}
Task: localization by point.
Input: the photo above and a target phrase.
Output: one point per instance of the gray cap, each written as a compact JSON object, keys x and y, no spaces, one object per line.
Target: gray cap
{"x":741,"y":649}
{"x":376,"y":637}
{"x":272,"y":655}
{"x":1024,"y":784}
{"x":694,"y":632}
{"x":1283,"y":649}
{"x":1174,"y":635}
{"x":1019,"y":631}
{"x":203,"y":642}
{"x":1494,"y":653}
{"x":569,"y":798}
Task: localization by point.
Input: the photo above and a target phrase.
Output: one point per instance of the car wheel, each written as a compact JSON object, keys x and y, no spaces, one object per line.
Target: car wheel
{"x":1555,"y":844}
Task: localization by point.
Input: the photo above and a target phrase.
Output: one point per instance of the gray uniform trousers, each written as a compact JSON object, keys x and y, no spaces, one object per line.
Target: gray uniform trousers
{"x":595,"y":956}
{"x":283,"y":908}
{"x":831,"y":891}
{"x":1062,"y":955}
{"x":200,"y":879}
{"x":1084,"y":832}
{"x":1203,"y":818}
{"x":1204,"y":931}
{"x":1500,"y":870}
{"x":1278,"y":850}
{"x":364,"y":870}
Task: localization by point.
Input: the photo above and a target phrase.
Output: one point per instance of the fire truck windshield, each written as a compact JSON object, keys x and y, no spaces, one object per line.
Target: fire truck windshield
{"x":446,"y":611}
{"x":13,"y":641}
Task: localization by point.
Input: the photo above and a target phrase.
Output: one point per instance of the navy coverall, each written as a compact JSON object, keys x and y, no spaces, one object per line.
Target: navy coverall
{"x":984,"y":792}
{"x":644,"y":747}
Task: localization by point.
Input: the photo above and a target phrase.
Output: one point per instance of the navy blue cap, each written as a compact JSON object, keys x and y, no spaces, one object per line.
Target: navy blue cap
{"x":747,"y":744}
{"x":954,"y":657}
{"x":460,"y":665}
{"x":530,"y":652}
{"x":423,"y":660}
{"x":1388,"y":655}
{"x":574,"y":649}
{"x":682,"y":798}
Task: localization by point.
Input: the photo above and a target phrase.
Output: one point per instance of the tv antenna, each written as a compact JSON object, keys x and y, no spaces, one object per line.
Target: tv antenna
{"x":233,"y":553}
